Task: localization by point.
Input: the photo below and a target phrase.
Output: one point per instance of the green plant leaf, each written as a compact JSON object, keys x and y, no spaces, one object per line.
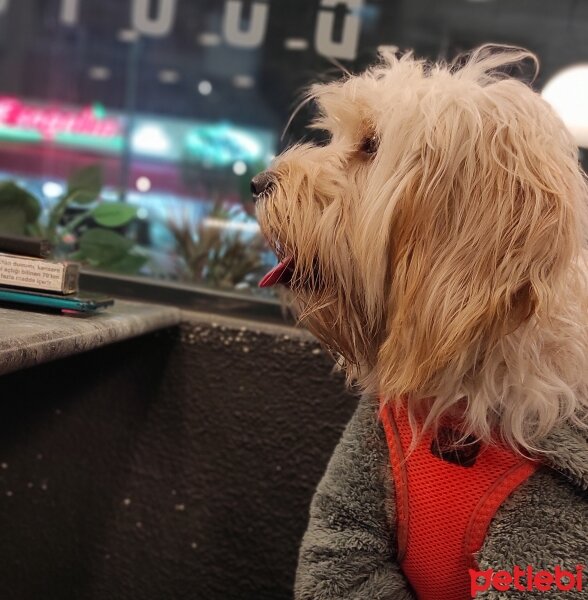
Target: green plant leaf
{"x":84,"y":185}
{"x":113,"y":214}
{"x":12,"y":220}
{"x":13,"y":196}
{"x":128,"y":265}
{"x":78,"y":255}
{"x":102,"y":246}
{"x":34,"y":229}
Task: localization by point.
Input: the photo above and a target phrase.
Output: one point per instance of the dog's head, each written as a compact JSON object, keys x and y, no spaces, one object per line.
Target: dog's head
{"x":444,"y":212}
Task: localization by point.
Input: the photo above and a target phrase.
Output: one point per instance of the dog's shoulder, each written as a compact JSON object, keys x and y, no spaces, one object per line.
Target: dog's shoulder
{"x":543,"y":524}
{"x":566,"y":451}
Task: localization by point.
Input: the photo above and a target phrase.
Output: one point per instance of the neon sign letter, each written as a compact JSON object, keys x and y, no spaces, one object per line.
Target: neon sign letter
{"x":323,"y":39}
{"x":161,"y":25}
{"x":51,"y":121}
{"x":232,"y":31}
{"x":70,"y":12}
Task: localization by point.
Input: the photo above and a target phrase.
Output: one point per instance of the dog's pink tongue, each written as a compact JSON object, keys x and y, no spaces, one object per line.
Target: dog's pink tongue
{"x":281,"y":273}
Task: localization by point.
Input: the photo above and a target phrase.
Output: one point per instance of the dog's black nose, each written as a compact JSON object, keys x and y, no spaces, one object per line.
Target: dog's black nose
{"x":261,"y":183}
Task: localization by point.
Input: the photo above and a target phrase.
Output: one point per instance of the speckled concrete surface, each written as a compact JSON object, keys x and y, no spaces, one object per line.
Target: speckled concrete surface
{"x":178,"y":464}
{"x":29,"y":338}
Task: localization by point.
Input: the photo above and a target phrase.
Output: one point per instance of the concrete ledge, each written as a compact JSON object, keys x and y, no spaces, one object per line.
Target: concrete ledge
{"x":29,"y":338}
{"x":191,"y":317}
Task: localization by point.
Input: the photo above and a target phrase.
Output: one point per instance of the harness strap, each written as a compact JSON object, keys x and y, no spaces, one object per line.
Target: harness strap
{"x":444,"y":504}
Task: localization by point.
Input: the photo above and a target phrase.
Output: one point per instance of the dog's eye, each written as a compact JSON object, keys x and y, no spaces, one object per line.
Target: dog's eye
{"x":321,"y":137}
{"x":369,"y":145}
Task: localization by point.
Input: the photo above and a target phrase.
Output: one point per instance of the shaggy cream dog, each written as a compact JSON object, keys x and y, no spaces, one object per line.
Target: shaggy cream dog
{"x":436,"y":246}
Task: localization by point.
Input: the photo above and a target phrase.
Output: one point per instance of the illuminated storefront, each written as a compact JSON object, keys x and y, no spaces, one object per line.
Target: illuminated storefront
{"x":180,"y":102}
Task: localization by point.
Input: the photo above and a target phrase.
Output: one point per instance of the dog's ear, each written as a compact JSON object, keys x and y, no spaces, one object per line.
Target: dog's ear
{"x":483,"y":235}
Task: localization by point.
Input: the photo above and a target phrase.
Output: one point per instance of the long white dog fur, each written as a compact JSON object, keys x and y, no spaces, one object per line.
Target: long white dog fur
{"x":438,"y":243}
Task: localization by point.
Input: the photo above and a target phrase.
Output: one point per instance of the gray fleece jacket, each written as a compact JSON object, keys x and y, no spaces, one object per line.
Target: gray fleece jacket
{"x":349,"y":549}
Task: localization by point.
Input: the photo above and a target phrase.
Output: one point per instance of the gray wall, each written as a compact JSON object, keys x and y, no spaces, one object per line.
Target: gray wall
{"x":175,"y":465}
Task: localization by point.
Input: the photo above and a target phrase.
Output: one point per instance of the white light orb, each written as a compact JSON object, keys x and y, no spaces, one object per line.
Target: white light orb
{"x":567,"y":92}
{"x":143,"y":184}
{"x":52,"y":189}
{"x":205,"y":87}
{"x":239,"y":168}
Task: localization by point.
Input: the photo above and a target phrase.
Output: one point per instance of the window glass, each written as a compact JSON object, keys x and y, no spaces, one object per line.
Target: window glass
{"x":136,"y":125}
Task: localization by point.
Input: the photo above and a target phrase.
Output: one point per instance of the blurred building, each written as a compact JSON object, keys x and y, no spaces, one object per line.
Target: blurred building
{"x":181,"y":101}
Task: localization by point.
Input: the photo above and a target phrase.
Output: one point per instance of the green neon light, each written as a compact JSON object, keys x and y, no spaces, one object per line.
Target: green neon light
{"x":16,"y":134}
{"x":98,"y":110}
{"x":112,"y":145}
{"x":93,"y":142}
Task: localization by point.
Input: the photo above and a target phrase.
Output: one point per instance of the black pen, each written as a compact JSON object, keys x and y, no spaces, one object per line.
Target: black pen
{"x":25,"y":246}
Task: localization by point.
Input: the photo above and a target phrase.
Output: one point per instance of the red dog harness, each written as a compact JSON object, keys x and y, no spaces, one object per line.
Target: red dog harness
{"x":445,"y":500}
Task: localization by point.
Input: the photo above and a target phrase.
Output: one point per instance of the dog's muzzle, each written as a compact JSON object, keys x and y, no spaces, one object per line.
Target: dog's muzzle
{"x":262,"y":184}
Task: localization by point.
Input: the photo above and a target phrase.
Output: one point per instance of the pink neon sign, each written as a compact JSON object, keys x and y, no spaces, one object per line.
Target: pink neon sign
{"x":50,"y":121}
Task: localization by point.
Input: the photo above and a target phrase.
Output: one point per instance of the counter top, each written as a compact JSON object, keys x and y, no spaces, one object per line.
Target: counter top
{"x":29,"y":338}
